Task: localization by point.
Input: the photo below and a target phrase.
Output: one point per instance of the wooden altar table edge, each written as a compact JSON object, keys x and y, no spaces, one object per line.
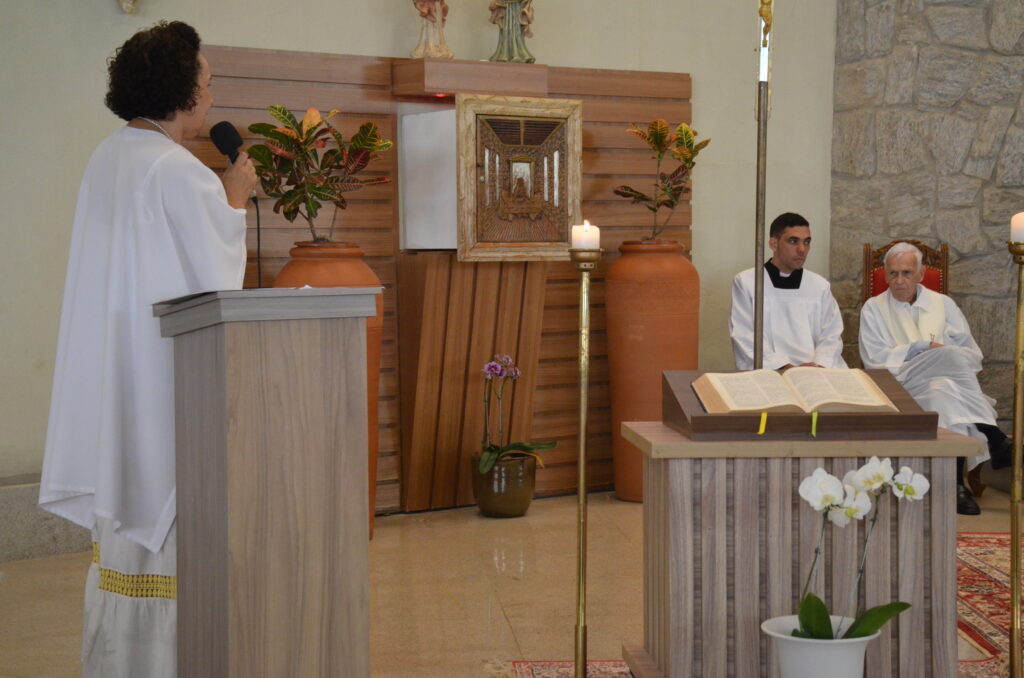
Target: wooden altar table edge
{"x":658,"y":441}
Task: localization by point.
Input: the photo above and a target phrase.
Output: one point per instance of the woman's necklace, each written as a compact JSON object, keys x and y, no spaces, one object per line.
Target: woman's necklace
{"x":154,"y":123}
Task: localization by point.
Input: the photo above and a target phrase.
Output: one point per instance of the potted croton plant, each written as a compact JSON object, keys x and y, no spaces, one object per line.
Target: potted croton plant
{"x":504,"y":475}
{"x":813,"y":639}
{"x":652,"y":299}
{"x":304,"y":165}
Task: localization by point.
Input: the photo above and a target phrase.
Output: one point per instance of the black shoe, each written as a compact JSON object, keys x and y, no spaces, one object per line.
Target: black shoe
{"x":965,"y":504}
{"x":1001,"y":453}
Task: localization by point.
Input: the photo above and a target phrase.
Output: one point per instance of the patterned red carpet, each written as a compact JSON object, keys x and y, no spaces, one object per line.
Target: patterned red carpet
{"x":566,"y":669}
{"x":983,"y":600}
{"x":983,"y":605}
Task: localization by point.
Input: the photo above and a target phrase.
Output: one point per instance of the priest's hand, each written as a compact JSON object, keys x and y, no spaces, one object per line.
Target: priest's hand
{"x":935,"y":344}
{"x":239,"y":180}
{"x":810,"y":365}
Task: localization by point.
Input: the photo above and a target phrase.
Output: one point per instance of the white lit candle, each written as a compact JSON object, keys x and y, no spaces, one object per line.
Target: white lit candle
{"x":586,"y":237}
{"x":1017,"y":227}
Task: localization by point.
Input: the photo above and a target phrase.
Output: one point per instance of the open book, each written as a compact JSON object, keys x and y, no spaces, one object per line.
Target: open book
{"x":798,"y":389}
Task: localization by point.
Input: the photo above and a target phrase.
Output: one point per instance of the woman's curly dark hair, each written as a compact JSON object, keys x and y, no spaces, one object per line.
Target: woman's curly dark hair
{"x":155,"y":73}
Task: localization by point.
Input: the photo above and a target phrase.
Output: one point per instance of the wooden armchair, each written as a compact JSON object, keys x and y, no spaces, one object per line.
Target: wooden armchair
{"x":936,"y":268}
{"x":936,"y":277}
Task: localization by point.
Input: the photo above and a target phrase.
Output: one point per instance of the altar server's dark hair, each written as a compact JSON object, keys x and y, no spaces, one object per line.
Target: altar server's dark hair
{"x":155,"y":73}
{"x":784,"y":221}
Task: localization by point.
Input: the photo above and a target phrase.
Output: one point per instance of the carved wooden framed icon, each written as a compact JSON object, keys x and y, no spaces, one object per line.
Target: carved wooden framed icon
{"x":518,"y":167}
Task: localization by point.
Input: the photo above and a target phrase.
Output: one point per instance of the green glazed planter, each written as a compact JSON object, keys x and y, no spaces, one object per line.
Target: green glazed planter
{"x":507,"y":489}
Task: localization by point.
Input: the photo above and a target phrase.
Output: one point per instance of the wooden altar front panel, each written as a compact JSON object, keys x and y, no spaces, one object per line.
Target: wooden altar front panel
{"x":728,"y":543}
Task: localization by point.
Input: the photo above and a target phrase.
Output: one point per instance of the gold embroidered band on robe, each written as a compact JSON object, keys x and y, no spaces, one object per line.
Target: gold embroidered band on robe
{"x":135,"y":585}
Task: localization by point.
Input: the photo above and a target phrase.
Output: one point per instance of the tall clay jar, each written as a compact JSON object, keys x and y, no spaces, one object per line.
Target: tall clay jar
{"x":652,"y":302}
{"x":341,"y":264}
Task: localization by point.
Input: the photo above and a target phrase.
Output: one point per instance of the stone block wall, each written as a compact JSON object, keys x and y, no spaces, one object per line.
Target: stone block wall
{"x":928,"y":143}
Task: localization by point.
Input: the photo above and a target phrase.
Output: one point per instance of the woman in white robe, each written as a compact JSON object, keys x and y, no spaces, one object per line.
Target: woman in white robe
{"x":152,"y":223}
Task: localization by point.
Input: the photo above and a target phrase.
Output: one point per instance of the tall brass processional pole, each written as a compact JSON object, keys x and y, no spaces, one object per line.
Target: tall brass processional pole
{"x":586,"y":261}
{"x":765,"y":12}
{"x":1016,"y":668}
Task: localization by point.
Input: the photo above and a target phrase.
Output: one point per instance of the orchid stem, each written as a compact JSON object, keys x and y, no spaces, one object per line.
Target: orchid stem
{"x":817,"y":553}
{"x":854,"y":601}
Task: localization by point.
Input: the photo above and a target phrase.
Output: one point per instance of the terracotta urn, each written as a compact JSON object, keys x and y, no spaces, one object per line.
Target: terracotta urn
{"x":341,"y":264}
{"x":652,"y":302}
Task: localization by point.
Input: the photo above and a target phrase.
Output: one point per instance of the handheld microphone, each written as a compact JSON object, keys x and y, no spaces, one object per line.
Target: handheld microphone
{"x":226,"y":138}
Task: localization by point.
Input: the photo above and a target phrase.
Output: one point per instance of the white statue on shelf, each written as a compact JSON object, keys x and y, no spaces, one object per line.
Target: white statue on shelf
{"x":434,"y":13}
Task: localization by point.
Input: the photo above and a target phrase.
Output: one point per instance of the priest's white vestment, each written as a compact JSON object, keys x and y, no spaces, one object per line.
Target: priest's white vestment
{"x":152,"y":223}
{"x":895,"y":335}
{"x":801,"y":325}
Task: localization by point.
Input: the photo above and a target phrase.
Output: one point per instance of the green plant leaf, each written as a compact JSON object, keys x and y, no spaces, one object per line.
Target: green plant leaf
{"x":374,"y":181}
{"x":260,"y":155}
{"x":285,"y":117}
{"x":633,"y":194}
{"x":488,"y":458}
{"x":685,"y":136}
{"x":368,"y":139}
{"x":324,"y":193}
{"x":261,"y":128}
{"x":658,"y":135}
{"x":814,"y":618}
{"x":357,"y":159}
{"x":529,"y":447}
{"x":291,"y":202}
{"x":276,"y":149}
{"x":874,"y":619}
{"x":346,"y":183}
{"x":699,"y":147}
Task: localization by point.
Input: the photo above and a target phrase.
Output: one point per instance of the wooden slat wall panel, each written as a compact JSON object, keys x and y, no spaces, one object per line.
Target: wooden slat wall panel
{"x":489,"y":308}
{"x":247,"y":81}
{"x":538,"y":316}
{"x":612,"y":100}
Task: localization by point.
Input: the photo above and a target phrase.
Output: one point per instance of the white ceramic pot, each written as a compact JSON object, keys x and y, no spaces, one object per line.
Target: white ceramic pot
{"x":812,"y":658}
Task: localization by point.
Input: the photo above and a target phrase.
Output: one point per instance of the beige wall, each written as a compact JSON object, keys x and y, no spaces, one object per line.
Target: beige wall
{"x":54,"y":77}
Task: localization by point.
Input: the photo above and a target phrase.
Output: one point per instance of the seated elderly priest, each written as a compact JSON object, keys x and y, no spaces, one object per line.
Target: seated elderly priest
{"x":922,"y":337}
{"x":802,"y":323}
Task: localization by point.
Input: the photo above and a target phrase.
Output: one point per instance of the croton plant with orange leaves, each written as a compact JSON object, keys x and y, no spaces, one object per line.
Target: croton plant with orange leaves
{"x":304,"y":164}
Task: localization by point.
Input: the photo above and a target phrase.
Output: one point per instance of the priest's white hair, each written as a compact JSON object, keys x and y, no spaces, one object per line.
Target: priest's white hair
{"x":904,"y":248}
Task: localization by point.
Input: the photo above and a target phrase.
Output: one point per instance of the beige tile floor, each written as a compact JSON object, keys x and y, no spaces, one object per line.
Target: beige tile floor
{"x":450,"y":591}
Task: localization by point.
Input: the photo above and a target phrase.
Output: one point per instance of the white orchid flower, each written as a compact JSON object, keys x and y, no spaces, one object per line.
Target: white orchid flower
{"x":911,"y":485}
{"x":874,"y":475}
{"x":821,"y":490}
{"x":855,"y":505}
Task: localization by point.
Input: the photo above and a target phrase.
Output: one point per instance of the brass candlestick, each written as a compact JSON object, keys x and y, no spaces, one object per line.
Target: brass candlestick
{"x":1016,"y":669}
{"x":585,"y":261}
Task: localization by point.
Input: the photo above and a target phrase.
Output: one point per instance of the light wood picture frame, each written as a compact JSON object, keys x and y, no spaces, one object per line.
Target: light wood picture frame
{"x":518,"y":170}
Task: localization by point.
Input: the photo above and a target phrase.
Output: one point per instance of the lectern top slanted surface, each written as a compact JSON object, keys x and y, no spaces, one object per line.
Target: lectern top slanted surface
{"x":658,"y":441}
{"x":193,"y":312}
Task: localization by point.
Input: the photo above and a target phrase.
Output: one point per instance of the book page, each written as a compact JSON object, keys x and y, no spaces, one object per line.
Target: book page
{"x":851,"y":388}
{"x":756,"y":390}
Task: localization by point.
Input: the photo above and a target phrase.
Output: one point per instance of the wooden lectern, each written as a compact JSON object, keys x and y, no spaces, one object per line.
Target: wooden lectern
{"x":270,"y":399}
{"x":728,"y":544}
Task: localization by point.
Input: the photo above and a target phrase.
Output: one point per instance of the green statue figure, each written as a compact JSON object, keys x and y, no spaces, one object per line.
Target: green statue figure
{"x":513,"y":18}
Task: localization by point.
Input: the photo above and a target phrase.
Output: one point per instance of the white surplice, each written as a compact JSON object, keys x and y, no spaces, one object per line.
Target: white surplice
{"x":152,"y":223}
{"x":942,"y":380}
{"x":801,"y":325}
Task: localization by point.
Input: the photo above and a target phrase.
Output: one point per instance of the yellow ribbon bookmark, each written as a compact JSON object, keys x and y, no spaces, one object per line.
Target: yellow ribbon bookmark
{"x":764,"y":423}
{"x":814,"y":424}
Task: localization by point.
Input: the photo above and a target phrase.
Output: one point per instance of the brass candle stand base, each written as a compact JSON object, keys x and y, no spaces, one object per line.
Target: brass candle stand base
{"x":1016,"y":667}
{"x":585,"y":261}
